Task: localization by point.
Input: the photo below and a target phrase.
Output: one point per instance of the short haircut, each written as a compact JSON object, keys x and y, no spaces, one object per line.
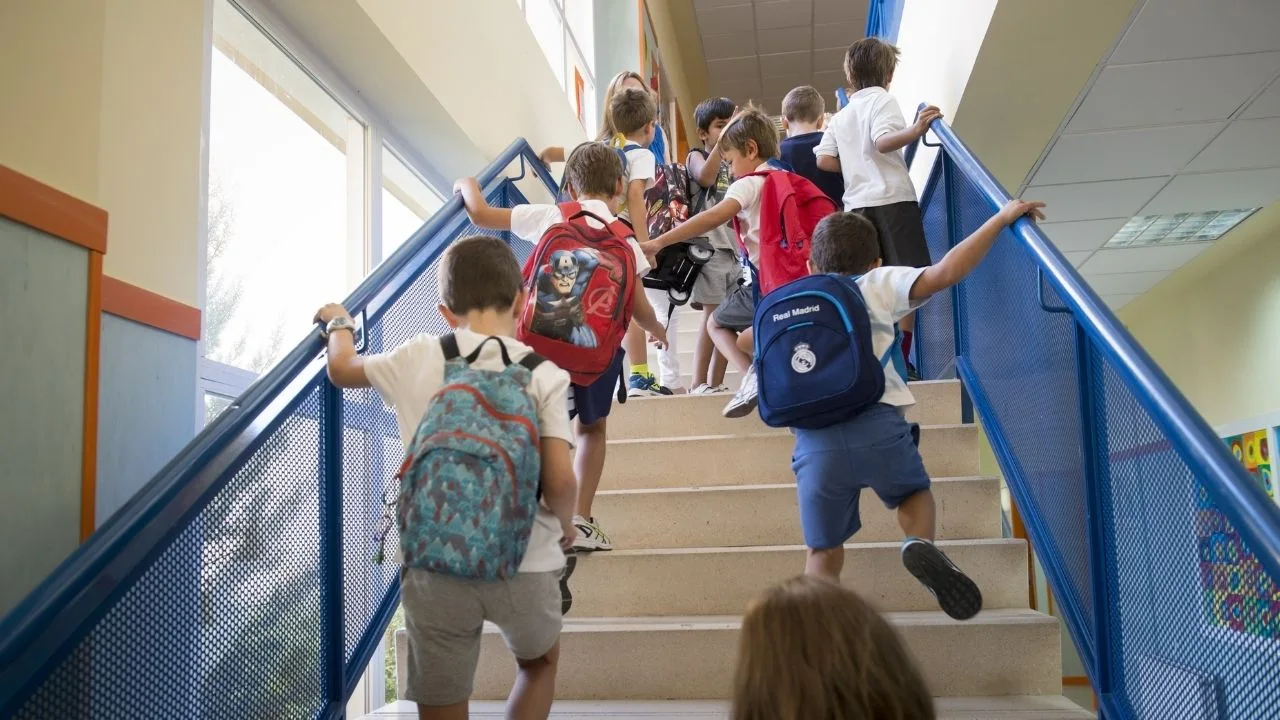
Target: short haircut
{"x":752,"y":124}
{"x":593,"y":169}
{"x":479,"y":273}
{"x":845,"y":243}
{"x":631,"y":110}
{"x":711,"y":110}
{"x":803,"y":104}
{"x":870,"y":62}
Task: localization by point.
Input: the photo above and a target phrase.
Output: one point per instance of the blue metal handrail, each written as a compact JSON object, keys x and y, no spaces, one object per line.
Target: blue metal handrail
{"x":64,"y":607}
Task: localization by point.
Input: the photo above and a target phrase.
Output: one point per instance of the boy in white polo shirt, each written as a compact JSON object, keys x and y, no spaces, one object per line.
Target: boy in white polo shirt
{"x":864,"y":142}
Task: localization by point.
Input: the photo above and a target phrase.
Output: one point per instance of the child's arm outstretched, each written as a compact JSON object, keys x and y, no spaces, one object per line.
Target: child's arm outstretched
{"x":963,"y":258}
{"x":560,"y":485}
{"x":482,"y":214}
{"x":890,"y":142}
{"x":346,"y":367}
{"x":696,"y":226}
{"x":642,"y":312}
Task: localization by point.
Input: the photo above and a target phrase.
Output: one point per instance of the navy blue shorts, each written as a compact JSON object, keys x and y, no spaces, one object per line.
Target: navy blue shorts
{"x":876,"y":449}
{"x":592,"y":403}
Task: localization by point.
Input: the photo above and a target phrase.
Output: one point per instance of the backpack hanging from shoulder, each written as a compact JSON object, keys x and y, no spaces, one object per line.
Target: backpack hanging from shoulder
{"x":581,"y":283}
{"x":814,"y":359}
{"x":667,"y":201}
{"x":790,"y":208}
{"x":469,"y":485}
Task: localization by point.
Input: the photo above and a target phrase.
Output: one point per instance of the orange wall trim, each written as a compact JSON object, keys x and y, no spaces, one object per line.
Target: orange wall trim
{"x":131,"y":302}
{"x":33,"y":203}
{"x":92,"y":358}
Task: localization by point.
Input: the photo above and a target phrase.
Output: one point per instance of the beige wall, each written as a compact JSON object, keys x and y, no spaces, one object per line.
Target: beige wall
{"x":1214,"y":325}
{"x":675,"y":27}
{"x":103,"y":99}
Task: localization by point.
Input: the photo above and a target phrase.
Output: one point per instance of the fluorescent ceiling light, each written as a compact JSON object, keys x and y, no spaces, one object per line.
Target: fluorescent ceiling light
{"x":1178,"y":229}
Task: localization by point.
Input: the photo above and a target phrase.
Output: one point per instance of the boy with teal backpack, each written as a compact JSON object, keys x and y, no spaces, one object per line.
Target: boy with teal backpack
{"x":487,"y":489}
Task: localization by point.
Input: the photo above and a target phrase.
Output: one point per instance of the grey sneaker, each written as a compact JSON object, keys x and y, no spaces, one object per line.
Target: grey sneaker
{"x":744,"y":401}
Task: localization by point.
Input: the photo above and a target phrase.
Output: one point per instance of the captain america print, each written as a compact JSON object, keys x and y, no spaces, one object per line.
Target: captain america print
{"x":561,"y":283}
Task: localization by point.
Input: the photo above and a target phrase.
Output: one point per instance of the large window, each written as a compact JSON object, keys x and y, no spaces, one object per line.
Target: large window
{"x":407,"y":202}
{"x":565,"y":30}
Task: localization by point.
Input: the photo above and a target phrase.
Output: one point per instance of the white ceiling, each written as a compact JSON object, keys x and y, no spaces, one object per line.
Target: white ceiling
{"x":761,"y":49}
{"x":1183,"y":116}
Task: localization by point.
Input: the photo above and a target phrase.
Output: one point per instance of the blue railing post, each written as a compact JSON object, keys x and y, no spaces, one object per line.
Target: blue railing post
{"x":332,"y":611}
{"x":1099,"y":530}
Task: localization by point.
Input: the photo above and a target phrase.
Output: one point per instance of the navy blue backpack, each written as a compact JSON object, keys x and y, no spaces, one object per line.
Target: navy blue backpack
{"x":814,"y":359}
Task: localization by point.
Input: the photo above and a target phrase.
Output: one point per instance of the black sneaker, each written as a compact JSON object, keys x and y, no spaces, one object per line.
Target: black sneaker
{"x":566,"y":597}
{"x":957,"y":595}
{"x":913,"y":375}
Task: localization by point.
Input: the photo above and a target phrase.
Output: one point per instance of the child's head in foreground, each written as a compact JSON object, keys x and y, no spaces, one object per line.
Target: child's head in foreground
{"x":813,"y":650}
{"x":803,"y":106}
{"x":594,"y":171}
{"x":749,"y":140}
{"x":870,"y":62}
{"x":634,"y":114}
{"x":712,"y":115}
{"x":844,"y":243}
{"x":478,"y":274}
{"x":625,"y":80}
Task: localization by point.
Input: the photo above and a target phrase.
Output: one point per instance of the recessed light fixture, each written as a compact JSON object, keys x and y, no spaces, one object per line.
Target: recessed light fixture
{"x":1178,"y":229}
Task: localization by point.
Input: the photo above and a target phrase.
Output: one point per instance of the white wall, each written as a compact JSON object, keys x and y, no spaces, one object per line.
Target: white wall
{"x":940,"y":40}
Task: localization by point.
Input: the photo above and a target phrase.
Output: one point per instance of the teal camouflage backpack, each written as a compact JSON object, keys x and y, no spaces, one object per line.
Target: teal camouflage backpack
{"x":469,"y":483}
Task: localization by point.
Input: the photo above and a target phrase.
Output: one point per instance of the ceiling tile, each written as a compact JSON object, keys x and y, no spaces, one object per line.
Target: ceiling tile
{"x":728,"y":70}
{"x":740,"y":92}
{"x":722,"y":20}
{"x":786,"y":64}
{"x":780,"y":86}
{"x":781,"y":40}
{"x":1116,"y":155}
{"x":1092,"y":201}
{"x":1217,"y":191}
{"x":1161,"y":93}
{"x":1078,"y":258}
{"x":1125,"y":283}
{"x":1147,"y":259}
{"x":1169,"y":29}
{"x":827,"y":82}
{"x":829,"y":60}
{"x":784,"y":14}
{"x":1244,"y":144}
{"x":1115,"y":302}
{"x":1266,"y":105}
{"x":1087,"y":235}
{"x":833,"y":11}
{"x":838,"y":35}
{"x":730,"y":45}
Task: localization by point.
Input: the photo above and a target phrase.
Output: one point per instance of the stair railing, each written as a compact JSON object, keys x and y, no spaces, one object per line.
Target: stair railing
{"x":1162,"y":552}
{"x":239,"y":581}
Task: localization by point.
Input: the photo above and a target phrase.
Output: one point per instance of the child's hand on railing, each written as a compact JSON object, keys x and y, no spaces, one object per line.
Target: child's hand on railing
{"x":1016,"y":208}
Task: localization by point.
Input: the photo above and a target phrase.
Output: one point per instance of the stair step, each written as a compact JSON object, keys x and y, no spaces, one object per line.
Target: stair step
{"x":722,"y":581}
{"x":937,"y":403}
{"x":1017,"y":707}
{"x":761,"y":458}
{"x":744,"y":515}
{"x":693,"y":658}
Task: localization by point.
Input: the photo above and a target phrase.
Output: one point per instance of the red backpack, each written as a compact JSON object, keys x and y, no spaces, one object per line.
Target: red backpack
{"x":581,"y":281}
{"x":790,"y":208}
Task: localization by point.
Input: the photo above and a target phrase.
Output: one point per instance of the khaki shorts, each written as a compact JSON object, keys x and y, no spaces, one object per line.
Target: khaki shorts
{"x":444,"y":616}
{"x":717,"y":279}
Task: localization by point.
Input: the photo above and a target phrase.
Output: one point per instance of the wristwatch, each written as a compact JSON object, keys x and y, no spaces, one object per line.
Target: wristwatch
{"x":342,"y":322}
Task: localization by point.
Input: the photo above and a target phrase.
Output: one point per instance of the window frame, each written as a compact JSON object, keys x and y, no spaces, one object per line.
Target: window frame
{"x":571,"y":56}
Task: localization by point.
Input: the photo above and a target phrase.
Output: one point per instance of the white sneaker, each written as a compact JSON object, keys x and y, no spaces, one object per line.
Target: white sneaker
{"x":744,"y":401}
{"x":590,"y":536}
{"x":706,"y":389}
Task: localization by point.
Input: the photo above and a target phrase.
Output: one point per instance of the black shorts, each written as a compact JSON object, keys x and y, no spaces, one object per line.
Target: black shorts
{"x":901,"y":230}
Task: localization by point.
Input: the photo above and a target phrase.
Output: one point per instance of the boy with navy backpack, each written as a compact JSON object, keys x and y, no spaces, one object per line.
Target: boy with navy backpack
{"x":827,"y":362}
{"x":486,"y":493}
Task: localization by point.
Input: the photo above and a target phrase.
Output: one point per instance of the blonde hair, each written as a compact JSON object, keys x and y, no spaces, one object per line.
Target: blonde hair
{"x":813,"y":650}
{"x":752,"y":124}
{"x":803,"y":104}
{"x":608,"y":129}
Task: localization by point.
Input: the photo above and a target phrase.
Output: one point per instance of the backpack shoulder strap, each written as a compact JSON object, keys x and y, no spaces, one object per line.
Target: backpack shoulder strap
{"x":449,"y":346}
{"x":531,"y":361}
{"x":569,"y":209}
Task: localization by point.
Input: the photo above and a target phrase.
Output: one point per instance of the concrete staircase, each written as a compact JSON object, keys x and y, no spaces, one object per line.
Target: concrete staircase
{"x":703,"y":513}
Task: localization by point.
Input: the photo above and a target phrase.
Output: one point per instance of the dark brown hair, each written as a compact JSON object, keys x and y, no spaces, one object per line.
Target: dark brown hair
{"x":479,"y":273}
{"x":631,"y":110}
{"x":870,"y":62}
{"x":844,"y":243}
{"x":752,"y":124}
{"x":803,"y":104}
{"x":593,"y":169}
{"x":813,"y":650}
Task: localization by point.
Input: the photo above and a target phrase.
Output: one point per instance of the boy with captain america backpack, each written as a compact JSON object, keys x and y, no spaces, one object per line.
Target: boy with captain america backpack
{"x":824,"y":344}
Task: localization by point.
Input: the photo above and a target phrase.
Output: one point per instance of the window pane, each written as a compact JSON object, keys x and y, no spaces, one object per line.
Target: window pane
{"x":545,"y":23}
{"x":578,"y":14}
{"x":214,"y":405}
{"x":278,"y":244}
{"x":407,"y":202}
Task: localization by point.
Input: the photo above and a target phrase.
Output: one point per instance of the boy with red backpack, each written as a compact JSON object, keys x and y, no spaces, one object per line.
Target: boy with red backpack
{"x":774,"y":213}
{"x":583,"y":282}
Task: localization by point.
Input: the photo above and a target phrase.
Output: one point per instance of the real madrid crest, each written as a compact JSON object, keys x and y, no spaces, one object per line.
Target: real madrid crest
{"x":802,"y":358}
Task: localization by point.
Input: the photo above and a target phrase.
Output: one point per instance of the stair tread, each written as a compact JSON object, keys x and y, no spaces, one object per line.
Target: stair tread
{"x":926,"y":618}
{"x":880,"y":545}
{"x":766,"y":487}
{"x":1008,"y":707}
{"x":707,"y":398}
{"x":755,"y":435}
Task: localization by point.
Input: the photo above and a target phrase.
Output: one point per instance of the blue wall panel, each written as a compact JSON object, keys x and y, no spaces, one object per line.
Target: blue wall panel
{"x":146,"y":407}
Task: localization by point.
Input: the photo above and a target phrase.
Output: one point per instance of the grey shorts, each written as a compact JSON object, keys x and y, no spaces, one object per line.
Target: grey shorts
{"x":444,"y":616}
{"x":901,"y":230}
{"x":738,"y":311}
{"x":718,"y":278}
